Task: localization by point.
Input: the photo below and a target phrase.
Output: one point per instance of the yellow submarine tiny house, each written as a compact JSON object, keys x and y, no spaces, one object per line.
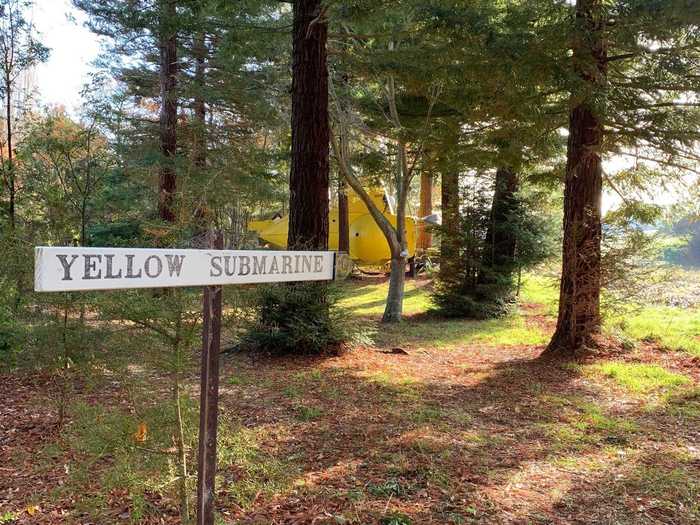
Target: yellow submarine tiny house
{"x":368,"y":246}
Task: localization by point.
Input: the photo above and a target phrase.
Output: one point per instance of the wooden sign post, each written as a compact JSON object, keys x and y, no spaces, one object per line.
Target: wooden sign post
{"x":63,"y":269}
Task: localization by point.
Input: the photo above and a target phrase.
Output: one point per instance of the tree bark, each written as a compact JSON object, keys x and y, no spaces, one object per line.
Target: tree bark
{"x":10,"y":158}
{"x":579,"y":298}
{"x":499,"y":255}
{"x":425,"y":238}
{"x":343,"y":217}
{"x":393,"y":311}
{"x":168,"y":112}
{"x":450,"y":260}
{"x":309,"y":177}
{"x":199,"y":149}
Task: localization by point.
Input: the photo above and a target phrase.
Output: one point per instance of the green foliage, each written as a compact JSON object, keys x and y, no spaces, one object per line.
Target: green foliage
{"x":486,"y":281}
{"x":7,"y":518}
{"x":298,"y":318}
{"x":12,"y":336}
{"x":473,"y":302}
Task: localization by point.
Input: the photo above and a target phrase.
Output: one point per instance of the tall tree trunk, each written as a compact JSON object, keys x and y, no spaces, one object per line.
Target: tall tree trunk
{"x":199,"y":150}
{"x":393,"y":311}
{"x":343,"y":217}
{"x":450,"y":260}
{"x":343,"y":205}
{"x":308,"y":181}
{"x":168,"y":111}
{"x":425,"y":238}
{"x":579,"y":297}
{"x":499,"y":256}
{"x":10,"y":157}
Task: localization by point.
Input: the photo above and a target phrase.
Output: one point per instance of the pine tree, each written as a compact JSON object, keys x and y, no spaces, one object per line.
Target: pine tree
{"x":633,"y":63}
{"x":309,"y":178}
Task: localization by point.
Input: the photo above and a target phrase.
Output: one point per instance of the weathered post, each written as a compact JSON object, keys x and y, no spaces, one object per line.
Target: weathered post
{"x":209,"y":396}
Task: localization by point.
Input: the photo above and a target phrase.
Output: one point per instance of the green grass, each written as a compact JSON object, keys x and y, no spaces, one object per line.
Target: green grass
{"x":8,"y":517}
{"x":445,"y":334}
{"x":307,"y":413}
{"x":370,"y":299}
{"x":580,"y":424}
{"x":246,"y":471}
{"x":542,"y":290}
{"x":674,"y":328}
{"x":640,"y":377}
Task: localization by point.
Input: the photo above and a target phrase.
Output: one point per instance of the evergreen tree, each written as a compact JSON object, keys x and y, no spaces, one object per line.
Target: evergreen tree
{"x":633,"y":64}
{"x":309,"y":177}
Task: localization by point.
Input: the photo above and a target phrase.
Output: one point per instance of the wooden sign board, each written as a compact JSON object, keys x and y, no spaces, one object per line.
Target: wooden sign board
{"x":58,"y":269}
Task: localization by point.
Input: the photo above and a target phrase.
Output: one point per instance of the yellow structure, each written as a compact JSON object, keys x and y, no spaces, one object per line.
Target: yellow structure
{"x":367,"y":242}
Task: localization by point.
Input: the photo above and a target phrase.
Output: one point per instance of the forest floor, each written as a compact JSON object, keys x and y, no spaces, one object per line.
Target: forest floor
{"x":466,"y":425}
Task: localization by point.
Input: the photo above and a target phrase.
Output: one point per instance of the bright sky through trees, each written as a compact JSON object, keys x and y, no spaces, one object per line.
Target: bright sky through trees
{"x":73,"y":48}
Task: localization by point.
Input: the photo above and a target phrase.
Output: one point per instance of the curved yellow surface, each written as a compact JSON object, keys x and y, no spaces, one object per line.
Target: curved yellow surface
{"x":367,"y":242}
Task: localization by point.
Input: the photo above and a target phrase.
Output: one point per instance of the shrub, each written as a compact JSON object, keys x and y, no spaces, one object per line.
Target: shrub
{"x":299,"y":318}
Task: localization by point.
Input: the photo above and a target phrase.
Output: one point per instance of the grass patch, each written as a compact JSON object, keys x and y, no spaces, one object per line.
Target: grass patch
{"x":640,"y":377}
{"x":674,"y":328}
{"x":396,"y":518}
{"x":370,"y":299}
{"x":542,"y":290}
{"x":393,"y":487}
{"x":8,"y":517}
{"x":306,"y":413}
{"x":446,"y":334}
{"x":423,"y":415}
{"x":685,"y":405}
{"x":582,"y":424}
{"x":246,"y":470}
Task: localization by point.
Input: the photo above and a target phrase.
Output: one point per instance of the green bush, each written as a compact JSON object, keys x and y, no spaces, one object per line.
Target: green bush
{"x":11,"y":336}
{"x":299,"y":318}
{"x":479,"y":302}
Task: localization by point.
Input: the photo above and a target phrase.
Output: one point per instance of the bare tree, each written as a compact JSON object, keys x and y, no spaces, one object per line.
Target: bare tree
{"x":19,"y":52}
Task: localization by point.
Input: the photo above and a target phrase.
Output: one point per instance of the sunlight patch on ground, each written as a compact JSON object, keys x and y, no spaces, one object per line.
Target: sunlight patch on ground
{"x":673,"y":328}
{"x":640,"y":377}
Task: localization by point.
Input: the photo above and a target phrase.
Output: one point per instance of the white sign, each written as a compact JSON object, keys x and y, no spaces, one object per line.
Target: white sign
{"x":71,"y":269}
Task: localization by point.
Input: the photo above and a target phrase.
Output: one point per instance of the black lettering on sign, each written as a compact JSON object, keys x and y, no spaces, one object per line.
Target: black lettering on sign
{"x":147,"y":266}
{"x":259,"y":265}
{"x":130,"y":268}
{"x":109,"y":274}
{"x":216,"y":269}
{"x":273,"y":266}
{"x":91,"y":266}
{"x":175,"y":264}
{"x":230,"y":265}
{"x":286,"y":264}
{"x":63,"y":259}
{"x":318,"y":263}
{"x":244,"y":265}
{"x":296,"y":263}
{"x":306,"y":263}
